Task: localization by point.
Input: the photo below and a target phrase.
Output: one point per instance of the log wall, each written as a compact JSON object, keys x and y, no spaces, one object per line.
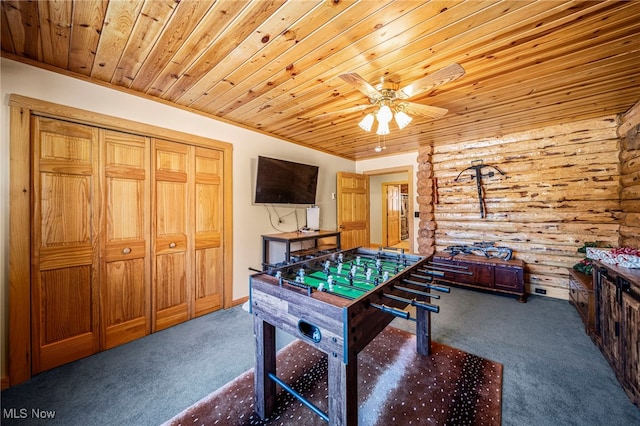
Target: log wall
{"x":630,"y":178}
{"x":425,"y":201}
{"x":560,"y":189}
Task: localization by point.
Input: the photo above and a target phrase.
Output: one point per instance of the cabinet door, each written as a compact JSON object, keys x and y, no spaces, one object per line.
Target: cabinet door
{"x":209,"y":276}
{"x":509,"y":279}
{"x":172,"y":260}
{"x":631,"y":345}
{"x":64,"y":276}
{"x":125,"y":289}
{"x":482,"y":275}
{"x":610,"y":324}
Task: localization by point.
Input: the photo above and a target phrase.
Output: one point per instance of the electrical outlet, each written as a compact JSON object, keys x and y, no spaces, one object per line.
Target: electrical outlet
{"x":333,"y":195}
{"x":540,"y":291}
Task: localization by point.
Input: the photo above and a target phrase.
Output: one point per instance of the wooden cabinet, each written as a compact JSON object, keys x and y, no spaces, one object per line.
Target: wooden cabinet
{"x":617,"y":318}
{"x":496,"y":275}
{"x":581,"y":296}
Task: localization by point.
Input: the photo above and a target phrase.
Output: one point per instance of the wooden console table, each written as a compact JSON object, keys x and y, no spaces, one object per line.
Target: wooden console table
{"x":295,"y":237}
{"x":491,"y":274}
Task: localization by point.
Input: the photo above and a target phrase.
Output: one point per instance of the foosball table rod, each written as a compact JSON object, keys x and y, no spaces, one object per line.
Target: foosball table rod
{"x":436,"y":287}
{"x":300,"y":398}
{"x":417,"y":292}
{"x":413,"y":302}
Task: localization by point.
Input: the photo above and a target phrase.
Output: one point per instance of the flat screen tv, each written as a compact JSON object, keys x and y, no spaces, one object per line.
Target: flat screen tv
{"x":285,"y":182}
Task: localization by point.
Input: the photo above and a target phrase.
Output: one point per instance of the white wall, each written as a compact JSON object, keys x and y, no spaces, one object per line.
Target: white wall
{"x":249,"y":220}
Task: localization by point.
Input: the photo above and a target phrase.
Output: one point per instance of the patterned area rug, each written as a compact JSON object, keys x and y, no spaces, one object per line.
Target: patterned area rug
{"x":395,"y":386}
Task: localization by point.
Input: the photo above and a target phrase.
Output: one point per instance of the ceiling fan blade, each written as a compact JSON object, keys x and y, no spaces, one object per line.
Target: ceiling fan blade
{"x":431,"y":81}
{"x":424,"y":110}
{"x":361,"y":84}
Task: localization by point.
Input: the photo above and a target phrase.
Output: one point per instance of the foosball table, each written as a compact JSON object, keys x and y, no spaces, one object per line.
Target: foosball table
{"x":338,"y":303}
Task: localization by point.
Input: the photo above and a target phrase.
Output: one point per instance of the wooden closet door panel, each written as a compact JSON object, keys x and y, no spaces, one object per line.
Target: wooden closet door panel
{"x":209,"y":276}
{"x":64,"y":285}
{"x":173,"y":224}
{"x":125,"y":261}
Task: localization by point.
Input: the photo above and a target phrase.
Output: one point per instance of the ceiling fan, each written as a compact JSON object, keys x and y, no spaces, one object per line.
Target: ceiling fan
{"x":391,"y":103}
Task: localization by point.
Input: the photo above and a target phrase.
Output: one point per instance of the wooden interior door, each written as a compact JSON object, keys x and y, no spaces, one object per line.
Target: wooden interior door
{"x":64,"y":275}
{"x":353,"y":209}
{"x":392,"y":202}
{"x":209,"y":261}
{"x":172,"y":261}
{"x":125,"y":268}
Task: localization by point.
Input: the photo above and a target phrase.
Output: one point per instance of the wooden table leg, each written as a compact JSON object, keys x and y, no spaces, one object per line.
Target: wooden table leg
{"x":343,"y":391}
{"x":423,"y":331}
{"x":264,"y":387}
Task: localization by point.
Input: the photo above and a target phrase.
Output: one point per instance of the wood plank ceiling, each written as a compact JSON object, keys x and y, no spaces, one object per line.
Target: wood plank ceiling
{"x":274,"y":65}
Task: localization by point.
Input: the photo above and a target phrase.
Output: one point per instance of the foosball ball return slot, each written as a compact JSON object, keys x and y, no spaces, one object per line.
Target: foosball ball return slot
{"x":338,"y":303}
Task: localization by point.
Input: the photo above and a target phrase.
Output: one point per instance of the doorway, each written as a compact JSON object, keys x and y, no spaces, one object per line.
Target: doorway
{"x":401,"y":177}
{"x":395,"y":230}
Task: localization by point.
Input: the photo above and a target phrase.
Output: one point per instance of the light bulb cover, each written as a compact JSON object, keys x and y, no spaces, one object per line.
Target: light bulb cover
{"x":367,"y":122}
{"x":402,"y":119}
{"x":383,"y":128}
{"x":384,"y":114}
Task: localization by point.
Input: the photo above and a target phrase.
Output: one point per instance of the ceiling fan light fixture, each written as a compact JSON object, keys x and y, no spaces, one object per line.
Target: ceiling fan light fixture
{"x":367,"y":122}
{"x":383,"y":128}
{"x":402,"y":119}
{"x":384,"y":114}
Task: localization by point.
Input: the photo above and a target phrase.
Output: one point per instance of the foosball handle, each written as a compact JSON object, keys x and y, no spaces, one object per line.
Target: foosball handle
{"x":393,"y":311}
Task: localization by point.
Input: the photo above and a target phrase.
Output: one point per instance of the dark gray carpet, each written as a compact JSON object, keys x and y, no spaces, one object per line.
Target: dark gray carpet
{"x":553,"y":374}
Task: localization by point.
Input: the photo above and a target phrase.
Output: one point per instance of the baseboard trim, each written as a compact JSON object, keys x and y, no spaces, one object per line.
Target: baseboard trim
{"x":240,"y":301}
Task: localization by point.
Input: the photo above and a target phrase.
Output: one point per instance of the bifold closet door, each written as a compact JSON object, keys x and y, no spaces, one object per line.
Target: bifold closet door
{"x":65,"y":223}
{"x":125,"y":268}
{"x":209,"y":277}
{"x":172,"y":230}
